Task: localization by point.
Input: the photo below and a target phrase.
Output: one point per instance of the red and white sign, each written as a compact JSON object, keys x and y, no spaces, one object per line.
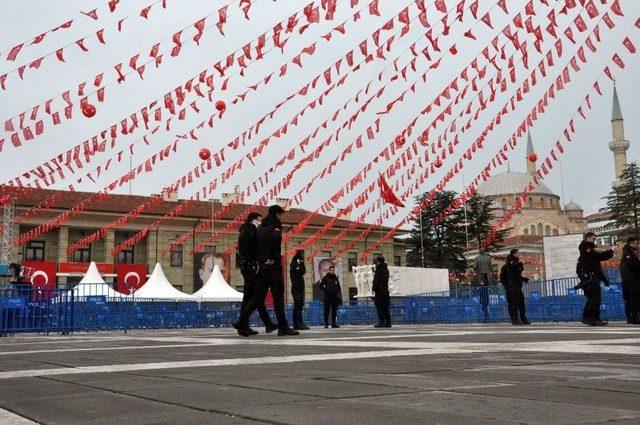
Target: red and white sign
{"x":131,"y":276}
{"x":42,"y":277}
{"x":81,"y":268}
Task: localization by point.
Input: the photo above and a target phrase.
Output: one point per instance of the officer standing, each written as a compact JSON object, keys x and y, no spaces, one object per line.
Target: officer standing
{"x":249,"y":268}
{"x":297,"y":270}
{"x":330,"y":285}
{"x":590,"y":273}
{"x":514,"y":270}
{"x":380,"y":288}
{"x":484,"y":273}
{"x":630,"y":274}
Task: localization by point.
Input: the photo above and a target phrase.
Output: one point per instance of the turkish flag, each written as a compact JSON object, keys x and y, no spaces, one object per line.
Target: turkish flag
{"x":386,"y":193}
{"x":42,"y":275}
{"x":130,"y":277}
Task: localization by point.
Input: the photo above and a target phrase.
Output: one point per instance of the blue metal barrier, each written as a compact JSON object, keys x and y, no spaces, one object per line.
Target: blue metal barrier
{"x":26,"y":309}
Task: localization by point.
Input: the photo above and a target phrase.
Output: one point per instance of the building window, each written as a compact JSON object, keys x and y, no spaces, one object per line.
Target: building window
{"x":238,"y":260}
{"x":540,"y":229}
{"x":125,"y":256}
{"x":34,"y":251}
{"x":352,"y":260}
{"x":504,"y":204}
{"x":175,"y":256}
{"x":526,"y":232}
{"x":547,"y":231}
{"x":541,"y":204}
{"x":82,"y":255}
{"x":397,"y":261}
{"x":533,"y":229}
{"x":530,"y":203}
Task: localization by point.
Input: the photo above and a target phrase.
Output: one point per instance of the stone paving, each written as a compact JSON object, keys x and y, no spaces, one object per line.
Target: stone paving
{"x":445,"y":374}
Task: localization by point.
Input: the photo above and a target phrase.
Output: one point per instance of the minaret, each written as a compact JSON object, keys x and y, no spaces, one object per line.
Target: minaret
{"x":531,"y":165}
{"x":618,"y":145}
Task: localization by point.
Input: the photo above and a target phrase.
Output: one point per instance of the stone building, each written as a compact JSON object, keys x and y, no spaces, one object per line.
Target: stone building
{"x":179,"y":264}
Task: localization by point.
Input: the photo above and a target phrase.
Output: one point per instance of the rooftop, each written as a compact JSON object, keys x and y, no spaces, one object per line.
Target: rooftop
{"x":511,"y":183}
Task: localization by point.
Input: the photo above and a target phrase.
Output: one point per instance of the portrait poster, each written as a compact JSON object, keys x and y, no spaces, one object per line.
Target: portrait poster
{"x":320,"y":268}
{"x":203,"y":265}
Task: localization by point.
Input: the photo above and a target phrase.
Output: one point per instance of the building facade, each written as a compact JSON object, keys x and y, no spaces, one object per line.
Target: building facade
{"x":185,"y":269}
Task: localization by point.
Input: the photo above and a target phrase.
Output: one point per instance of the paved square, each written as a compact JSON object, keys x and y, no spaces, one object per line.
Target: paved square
{"x":446,"y":374}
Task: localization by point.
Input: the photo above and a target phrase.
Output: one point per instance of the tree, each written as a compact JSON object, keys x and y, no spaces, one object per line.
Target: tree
{"x":480,"y":215}
{"x":623,"y":201}
{"x":444,"y":243}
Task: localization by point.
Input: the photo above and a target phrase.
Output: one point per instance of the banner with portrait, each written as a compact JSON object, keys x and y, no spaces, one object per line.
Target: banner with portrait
{"x":203,"y":265}
{"x":320,"y":268}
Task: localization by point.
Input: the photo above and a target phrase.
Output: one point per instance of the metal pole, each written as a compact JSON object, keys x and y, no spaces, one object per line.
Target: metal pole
{"x":564,"y":200}
{"x":421,"y":241}
{"x":213,"y":223}
{"x":130,"y":179}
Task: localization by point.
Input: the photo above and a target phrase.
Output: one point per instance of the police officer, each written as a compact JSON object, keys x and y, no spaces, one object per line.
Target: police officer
{"x":330,"y":285}
{"x":249,"y":267}
{"x":297,"y":270}
{"x":380,"y":288}
{"x":590,"y":273}
{"x":630,"y":274}
{"x":270,"y":257}
{"x":514,"y":270}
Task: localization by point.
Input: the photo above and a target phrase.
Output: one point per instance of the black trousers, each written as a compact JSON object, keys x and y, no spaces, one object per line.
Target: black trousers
{"x":382,"y":303}
{"x":591,"y":289}
{"x":270,"y":278}
{"x":297,"y":293}
{"x":251,"y":286}
{"x":483,"y":292}
{"x":516,"y":305}
{"x":632,"y":307}
{"x":331,"y":305}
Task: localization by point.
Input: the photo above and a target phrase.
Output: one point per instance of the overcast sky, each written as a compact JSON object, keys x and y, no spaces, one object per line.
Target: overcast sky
{"x":587,"y":165}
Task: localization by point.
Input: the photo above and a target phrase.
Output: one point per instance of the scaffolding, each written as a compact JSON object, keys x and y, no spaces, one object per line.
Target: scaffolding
{"x":8,"y":219}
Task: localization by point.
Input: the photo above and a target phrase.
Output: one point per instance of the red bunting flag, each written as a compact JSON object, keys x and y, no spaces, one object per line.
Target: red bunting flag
{"x":629,"y":45}
{"x":386,"y":193}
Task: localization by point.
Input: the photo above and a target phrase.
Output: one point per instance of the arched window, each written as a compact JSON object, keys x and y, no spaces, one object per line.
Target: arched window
{"x":504,"y":204}
{"x":526,"y":232}
{"x":530,"y":203}
{"x":541,"y":202}
{"x":533,"y":229}
{"x":540,"y":229}
{"x":547,"y":231}
{"x":555,"y":232}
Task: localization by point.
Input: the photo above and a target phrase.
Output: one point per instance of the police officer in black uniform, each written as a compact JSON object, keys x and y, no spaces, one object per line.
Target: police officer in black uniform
{"x":630,"y":274}
{"x":514,"y":270}
{"x":270,"y":257}
{"x":297,"y":270}
{"x":380,"y":288}
{"x":249,"y":267}
{"x":330,"y":285}
{"x":590,"y":273}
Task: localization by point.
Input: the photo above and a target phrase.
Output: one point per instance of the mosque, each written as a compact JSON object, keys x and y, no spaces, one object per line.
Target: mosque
{"x":543,"y":215}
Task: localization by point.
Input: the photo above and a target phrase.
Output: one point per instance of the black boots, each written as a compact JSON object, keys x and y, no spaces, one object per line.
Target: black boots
{"x":270,"y":328}
{"x":287,"y":332}
{"x":301,"y":327}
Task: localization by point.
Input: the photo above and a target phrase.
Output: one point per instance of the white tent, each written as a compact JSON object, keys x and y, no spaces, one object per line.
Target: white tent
{"x":217,"y":289}
{"x":93,"y":284}
{"x":159,"y":287}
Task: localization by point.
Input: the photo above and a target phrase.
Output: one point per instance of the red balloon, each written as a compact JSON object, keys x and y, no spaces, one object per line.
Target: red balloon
{"x":204,"y":154}
{"x":533,"y":157}
{"x":88,"y":110}
{"x":400,"y":140}
{"x":438,"y":163}
{"x":220,"y":105}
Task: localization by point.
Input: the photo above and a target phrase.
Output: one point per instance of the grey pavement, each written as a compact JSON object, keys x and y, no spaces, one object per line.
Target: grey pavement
{"x":444,"y":374}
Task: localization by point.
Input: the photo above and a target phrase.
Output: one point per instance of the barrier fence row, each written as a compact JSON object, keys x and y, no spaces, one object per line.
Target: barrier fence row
{"x":25,"y":309}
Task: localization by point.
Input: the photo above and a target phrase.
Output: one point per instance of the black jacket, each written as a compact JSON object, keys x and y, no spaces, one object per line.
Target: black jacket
{"x":514,"y":272}
{"x":630,"y":271}
{"x":270,"y":239}
{"x":248,"y":242}
{"x":331,"y":286}
{"x":589,"y":261}
{"x":381,"y":280}
{"x":297,"y":268}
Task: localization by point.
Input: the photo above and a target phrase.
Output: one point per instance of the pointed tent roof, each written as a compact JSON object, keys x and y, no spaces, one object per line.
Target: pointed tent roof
{"x":616,"y":112}
{"x":159,"y":287}
{"x":93,"y":284}
{"x":529,"y":144}
{"x":217,"y":289}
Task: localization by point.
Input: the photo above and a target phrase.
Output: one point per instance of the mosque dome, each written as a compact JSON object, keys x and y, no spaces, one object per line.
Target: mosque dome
{"x":572,"y":206}
{"x":510,"y":183}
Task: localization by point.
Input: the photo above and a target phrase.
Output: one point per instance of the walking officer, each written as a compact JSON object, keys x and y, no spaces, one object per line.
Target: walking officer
{"x":590,"y":273}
